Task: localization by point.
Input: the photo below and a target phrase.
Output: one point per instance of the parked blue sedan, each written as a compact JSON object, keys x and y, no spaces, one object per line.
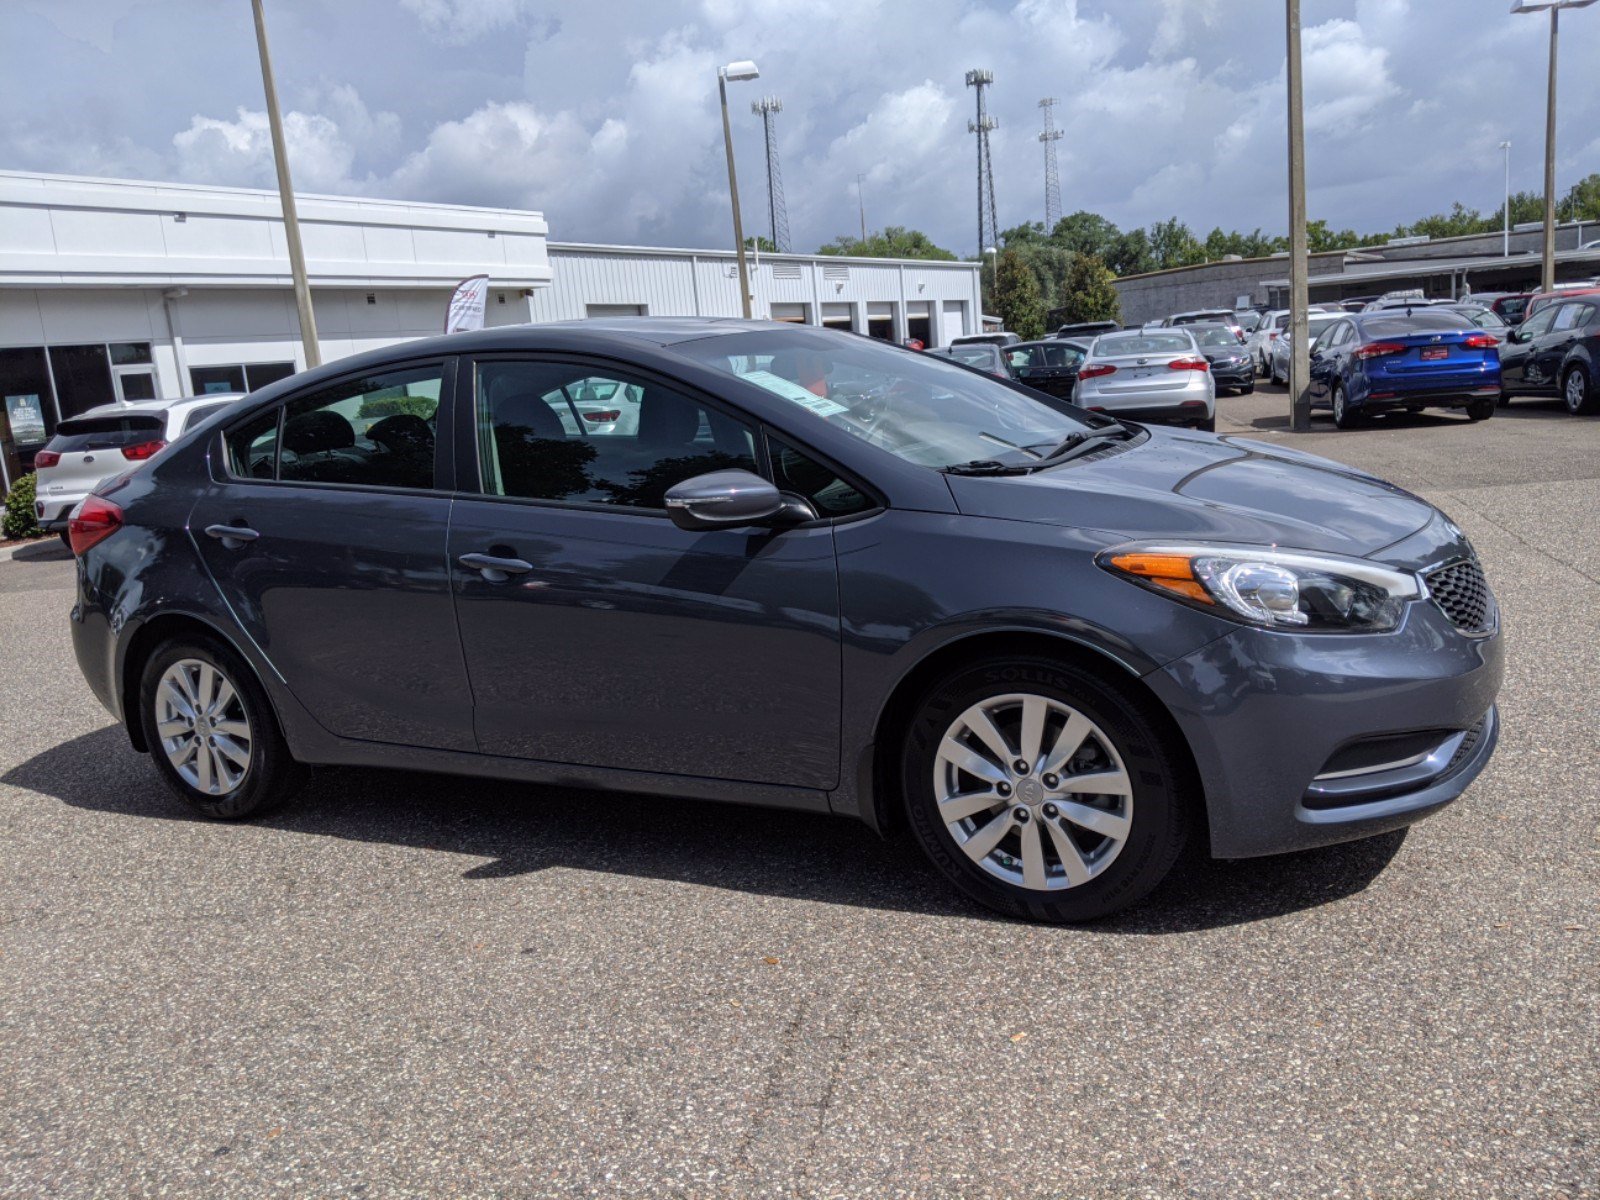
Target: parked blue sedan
{"x":1382,"y":361}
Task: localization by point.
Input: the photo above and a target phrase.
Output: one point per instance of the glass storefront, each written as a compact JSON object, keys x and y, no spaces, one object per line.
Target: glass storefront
{"x":41,"y":385}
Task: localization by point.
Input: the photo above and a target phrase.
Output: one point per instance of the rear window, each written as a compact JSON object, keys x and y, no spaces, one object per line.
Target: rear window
{"x":105,"y":433}
{"x":1419,"y":322}
{"x":1113,"y":344}
{"x":981,"y":355}
{"x":1217,"y":338}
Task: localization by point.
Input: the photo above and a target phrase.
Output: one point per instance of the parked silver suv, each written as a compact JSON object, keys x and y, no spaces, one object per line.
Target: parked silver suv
{"x":106,"y":441}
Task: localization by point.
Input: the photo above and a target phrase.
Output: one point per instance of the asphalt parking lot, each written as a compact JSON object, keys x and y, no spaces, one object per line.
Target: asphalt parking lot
{"x":409,"y":985}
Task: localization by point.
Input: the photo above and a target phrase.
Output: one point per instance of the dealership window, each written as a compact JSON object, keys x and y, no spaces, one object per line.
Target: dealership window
{"x":237,"y":377}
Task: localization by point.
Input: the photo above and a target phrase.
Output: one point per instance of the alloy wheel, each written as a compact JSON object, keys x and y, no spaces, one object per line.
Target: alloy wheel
{"x":1033,"y":791}
{"x":1576,"y":390}
{"x":204,"y":729}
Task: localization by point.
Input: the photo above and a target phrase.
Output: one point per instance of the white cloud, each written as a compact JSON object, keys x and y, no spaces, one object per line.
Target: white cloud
{"x":213,"y":150}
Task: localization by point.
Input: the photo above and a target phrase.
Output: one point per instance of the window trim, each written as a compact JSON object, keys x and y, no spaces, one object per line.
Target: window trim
{"x":469,"y":467}
{"x":444,"y":457}
{"x":879,"y":504}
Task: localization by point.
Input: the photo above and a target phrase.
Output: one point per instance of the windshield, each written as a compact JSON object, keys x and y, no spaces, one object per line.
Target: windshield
{"x":917,"y":406}
{"x":974,"y":356}
{"x":1217,"y":338}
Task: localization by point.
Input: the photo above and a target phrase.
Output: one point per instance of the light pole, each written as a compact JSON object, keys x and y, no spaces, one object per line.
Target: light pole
{"x":1505,"y":251}
{"x":291,"y":219}
{"x":1548,"y":275}
{"x":743,"y":69}
{"x":1299,"y":288}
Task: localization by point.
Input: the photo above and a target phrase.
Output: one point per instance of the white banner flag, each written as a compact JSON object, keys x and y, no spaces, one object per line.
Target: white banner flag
{"x":466,"y":305}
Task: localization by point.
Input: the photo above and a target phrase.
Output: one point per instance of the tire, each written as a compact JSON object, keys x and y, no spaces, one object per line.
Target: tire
{"x":66,"y":538}
{"x":1481,"y":410}
{"x":212,"y":781}
{"x":1578,"y":391}
{"x":1344,"y":416}
{"x":1209,"y":425}
{"x":1505,"y":399}
{"x":1141,"y":818}
{"x":1248,"y":389}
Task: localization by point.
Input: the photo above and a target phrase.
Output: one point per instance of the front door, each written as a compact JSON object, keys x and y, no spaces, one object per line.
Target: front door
{"x":325,"y":531}
{"x":596,"y":631}
{"x":1516,"y":357}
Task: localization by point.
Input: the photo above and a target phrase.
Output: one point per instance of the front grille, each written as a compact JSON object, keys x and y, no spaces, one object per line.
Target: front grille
{"x":1461,"y":591}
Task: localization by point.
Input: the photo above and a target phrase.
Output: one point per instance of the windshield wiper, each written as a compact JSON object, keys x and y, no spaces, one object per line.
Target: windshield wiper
{"x":1000,"y":441}
{"x":1068,"y":445}
{"x":985,"y":466}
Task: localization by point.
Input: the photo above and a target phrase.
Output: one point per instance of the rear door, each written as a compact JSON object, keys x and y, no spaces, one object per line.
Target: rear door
{"x":599,"y":633}
{"x":325,"y":531}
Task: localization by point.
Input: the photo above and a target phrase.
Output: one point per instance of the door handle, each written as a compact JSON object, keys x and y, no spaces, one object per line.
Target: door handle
{"x":232,"y":536}
{"x":495,"y":570}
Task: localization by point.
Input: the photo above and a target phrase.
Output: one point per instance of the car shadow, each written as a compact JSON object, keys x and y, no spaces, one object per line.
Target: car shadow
{"x":44,"y":550}
{"x":517,"y":829}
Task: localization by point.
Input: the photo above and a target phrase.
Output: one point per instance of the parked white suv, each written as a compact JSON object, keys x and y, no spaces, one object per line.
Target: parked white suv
{"x":1259,"y":343}
{"x":106,"y":441}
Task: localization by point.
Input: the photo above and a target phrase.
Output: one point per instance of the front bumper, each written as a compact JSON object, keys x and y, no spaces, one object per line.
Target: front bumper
{"x":1265,"y":711}
{"x":1241,"y":374}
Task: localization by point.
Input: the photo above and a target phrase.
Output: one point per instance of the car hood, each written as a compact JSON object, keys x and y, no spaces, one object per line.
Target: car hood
{"x":1190,"y":485}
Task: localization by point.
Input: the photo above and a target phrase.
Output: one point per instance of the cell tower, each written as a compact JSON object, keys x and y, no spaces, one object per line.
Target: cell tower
{"x":778,"y":214}
{"x":988,"y":230}
{"x":1052,"y":179}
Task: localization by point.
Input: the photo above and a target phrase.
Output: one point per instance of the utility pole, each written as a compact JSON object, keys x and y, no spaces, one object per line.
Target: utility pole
{"x":1052,"y":179}
{"x":777,"y":211}
{"x":291,"y":218}
{"x":1299,"y":290}
{"x":1505,"y":249}
{"x":1547,"y":275}
{"x":743,"y":69}
{"x":988,"y":232}
{"x":861,"y":203}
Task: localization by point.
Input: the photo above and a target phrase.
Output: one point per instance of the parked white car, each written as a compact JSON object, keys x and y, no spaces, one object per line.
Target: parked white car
{"x":1149,"y":375}
{"x":1260,"y":340}
{"x":106,"y":441}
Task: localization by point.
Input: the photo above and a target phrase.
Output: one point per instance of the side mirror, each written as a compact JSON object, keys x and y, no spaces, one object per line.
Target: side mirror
{"x":723,"y":500}
{"x":1516,"y":335}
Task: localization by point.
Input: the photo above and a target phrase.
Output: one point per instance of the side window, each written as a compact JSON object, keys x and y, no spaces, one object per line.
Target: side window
{"x":557,"y":431}
{"x":1538,"y":323}
{"x":376,"y":430}
{"x":1566,"y":318}
{"x":200,"y":414}
{"x":253,"y":447}
{"x":832,"y":496}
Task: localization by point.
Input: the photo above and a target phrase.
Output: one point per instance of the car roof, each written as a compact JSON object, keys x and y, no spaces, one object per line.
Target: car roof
{"x":152,"y":408}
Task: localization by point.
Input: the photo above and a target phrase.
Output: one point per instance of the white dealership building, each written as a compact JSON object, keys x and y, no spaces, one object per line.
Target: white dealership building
{"x":114,"y":289}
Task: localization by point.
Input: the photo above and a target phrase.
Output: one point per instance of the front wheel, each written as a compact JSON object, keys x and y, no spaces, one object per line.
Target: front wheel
{"x":1481,"y":410}
{"x":1043,"y":792}
{"x":212,"y":731}
{"x":1578,"y":392}
{"x":1248,"y":389}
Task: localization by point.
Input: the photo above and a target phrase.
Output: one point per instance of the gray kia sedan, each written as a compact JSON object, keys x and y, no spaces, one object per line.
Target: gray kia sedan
{"x":816,"y":572}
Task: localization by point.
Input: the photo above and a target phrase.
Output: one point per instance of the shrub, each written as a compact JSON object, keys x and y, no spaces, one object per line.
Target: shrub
{"x":374,"y":407}
{"x":19,"y":520}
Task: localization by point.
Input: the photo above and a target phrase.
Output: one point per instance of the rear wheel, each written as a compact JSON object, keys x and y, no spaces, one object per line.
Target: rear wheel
{"x":1209,"y":425}
{"x":1578,"y":392}
{"x":1481,"y":410}
{"x":1344,"y":416}
{"x":66,"y":538}
{"x":212,"y":732}
{"x":1043,"y":792}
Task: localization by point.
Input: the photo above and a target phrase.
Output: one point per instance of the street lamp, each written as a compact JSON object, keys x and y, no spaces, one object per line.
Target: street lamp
{"x":743,"y":69}
{"x":1505,"y":251}
{"x":1548,"y":276}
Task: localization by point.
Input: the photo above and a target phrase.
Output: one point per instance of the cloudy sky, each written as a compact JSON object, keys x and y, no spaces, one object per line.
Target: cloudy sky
{"x":603,"y":113}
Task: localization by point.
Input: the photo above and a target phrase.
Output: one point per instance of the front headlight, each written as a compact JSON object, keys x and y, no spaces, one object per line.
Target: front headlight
{"x":1275,"y":589}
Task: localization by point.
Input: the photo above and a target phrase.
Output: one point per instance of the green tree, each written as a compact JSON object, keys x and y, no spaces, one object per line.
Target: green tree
{"x":1029,"y":234}
{"x":1582,"y":203}
{"x":760,"y":244}
{"x":1172,"y":245}
{"x":894,"y":241}
{"x":1017,"y":298}
{"x":1087,"y":233}
{"x":1090,"y":292}
{"x":1132,"y":254}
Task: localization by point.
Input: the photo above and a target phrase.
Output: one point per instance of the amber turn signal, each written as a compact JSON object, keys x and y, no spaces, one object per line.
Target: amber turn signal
{"x":1173,"y":572}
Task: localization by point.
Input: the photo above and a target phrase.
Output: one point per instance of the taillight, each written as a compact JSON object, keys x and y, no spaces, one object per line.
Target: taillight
{"x":142,"y":451}
{"x":1379,"y":349}
{"x":95,"y":520}
{"x":1096,"y":371}
{"x":45,"y":458}
{"x":1480,"y":341}
{"x":1188,"y":364}
{"x":605,"y":414}
{"x":1272,"y":335}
